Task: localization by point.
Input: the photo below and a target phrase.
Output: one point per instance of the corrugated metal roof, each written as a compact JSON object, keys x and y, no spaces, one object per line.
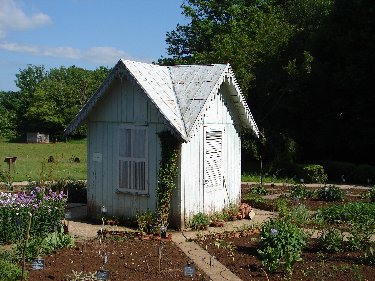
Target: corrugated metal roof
{"x":179,"y":92}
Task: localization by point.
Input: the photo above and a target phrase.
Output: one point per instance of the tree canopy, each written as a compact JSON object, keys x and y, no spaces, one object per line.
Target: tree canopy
{"x":305,"y":67}
{"x":47,"y":100}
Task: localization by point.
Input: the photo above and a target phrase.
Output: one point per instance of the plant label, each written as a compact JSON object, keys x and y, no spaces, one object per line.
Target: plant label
{"x":38,"y":264}
{"x":189,"y":270}
{"x":102,"y":274}
{"x":68,"y":215}
{"x":251,"y":214}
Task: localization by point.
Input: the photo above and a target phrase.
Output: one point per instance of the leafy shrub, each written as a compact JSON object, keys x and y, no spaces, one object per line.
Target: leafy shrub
{"x":146,"y":222}
{"x":258,"y":189}
{"x":299,"y":215}
{"x":281,"y":244}
{"x":200,"y":221}
{"x":300,"y":191}
{"x":282,"y":206}
{"x":348,"y":212}
{"x":330,"y":193}
{"x":10,"y":271}
{"x":353,"y":173}
{"x":331,"y":240}
{"x":315,"y":173}
{"x":76,"y":190}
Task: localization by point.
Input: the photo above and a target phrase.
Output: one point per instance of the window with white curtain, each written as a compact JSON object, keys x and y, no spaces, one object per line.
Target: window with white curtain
{"x":132,"y":162}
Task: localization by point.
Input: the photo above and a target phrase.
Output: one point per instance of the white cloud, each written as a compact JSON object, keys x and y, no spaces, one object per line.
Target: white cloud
{"x":61,"y":52}
{"x":19,"y":48}
{"x":97,"y":55}
{"x":12,"y":17}
{"x":103,"y":55}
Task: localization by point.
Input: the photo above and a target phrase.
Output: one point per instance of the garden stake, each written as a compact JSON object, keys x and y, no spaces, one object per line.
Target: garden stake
{"x":159,"y":251}
{"x":25,"y":245}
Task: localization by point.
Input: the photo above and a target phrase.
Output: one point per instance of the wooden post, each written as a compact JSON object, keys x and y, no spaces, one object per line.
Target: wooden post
{"x":25,"y":245}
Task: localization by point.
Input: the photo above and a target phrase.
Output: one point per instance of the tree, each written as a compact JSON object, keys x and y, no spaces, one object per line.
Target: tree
{"x":10,"y":103}
{"x":59,"y":97}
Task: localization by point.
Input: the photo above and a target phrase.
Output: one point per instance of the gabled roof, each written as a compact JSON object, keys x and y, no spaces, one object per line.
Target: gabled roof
{"x":179,"y":92}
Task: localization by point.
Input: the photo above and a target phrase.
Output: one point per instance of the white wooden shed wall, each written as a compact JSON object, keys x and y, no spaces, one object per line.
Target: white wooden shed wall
{"x":218,"y":113}
{"x":126,"y":104}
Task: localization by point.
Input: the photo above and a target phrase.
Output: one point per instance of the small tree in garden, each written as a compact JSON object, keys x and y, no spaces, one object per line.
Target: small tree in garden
{"x":167,"y":174}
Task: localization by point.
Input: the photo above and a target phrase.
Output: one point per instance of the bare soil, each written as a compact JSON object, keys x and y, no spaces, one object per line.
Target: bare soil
{"x":128,"y":259}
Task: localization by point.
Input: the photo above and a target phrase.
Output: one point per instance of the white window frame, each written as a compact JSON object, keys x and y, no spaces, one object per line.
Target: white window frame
{"x":129,"y":178}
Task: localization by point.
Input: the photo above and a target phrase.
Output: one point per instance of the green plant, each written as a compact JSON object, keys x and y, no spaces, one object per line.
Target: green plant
{"x":360,"y":235}
{"x":76,"y":190}
{"x":372,"y":194}
{"x":258,"y":189}
{"x":167,"y":174}
{"x":315,"y":173}
{"x":146,"y":222}
{"x":281,"y":244}
{"x":330,"y":193}
{"x":282,"y":206}
{"x":200,"y":221}
{"x":299,"y":215}
{"x":81,"y":276}
{"x":369,"y":256}
{"x":46,"y":207}
{"x":331,"y":240}
{"x":348,"y":212}
{"x":220,"y":216}
{"x":10,"y":271}
{"x":39,"y":246}
{"x":228,"y":245}
{"x":300,"y":191}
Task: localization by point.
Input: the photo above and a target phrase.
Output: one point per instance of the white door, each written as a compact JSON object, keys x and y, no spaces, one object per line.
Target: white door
{"x":213,"y":169}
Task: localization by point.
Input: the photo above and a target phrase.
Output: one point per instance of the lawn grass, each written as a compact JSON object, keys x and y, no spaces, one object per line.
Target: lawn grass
{"x":266,"y":178}
{"x":32,"y":160}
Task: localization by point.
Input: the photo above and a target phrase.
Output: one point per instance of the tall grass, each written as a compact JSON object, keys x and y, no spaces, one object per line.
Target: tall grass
{"x":32,"y":160}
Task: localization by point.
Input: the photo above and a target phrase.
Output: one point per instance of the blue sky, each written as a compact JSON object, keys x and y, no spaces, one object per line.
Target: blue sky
{"x":84,"y":33}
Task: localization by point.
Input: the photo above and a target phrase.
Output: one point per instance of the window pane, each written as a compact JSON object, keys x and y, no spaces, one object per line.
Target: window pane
{"x":125,"y":142}
{"x":124,"y":174}
{"x":139,"y":147}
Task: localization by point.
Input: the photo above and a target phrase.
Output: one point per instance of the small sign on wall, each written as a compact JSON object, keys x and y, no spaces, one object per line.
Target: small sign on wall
{"x":97,"y":157}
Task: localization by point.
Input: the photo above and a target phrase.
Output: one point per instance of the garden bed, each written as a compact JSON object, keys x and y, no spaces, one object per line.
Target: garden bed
{"x":128,"y":259}
{"x":238,"y":253}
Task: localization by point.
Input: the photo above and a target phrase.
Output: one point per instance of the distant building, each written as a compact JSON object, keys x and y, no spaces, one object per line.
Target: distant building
{"x":201,"y":105}
{"x":37,"y":138}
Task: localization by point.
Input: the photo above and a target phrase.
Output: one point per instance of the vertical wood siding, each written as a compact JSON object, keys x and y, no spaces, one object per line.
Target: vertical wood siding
{"x":219,"y":112}
{"x":125,"y":104}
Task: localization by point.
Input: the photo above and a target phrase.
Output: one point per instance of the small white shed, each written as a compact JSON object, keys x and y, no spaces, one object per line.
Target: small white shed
{"x":200,"y":104}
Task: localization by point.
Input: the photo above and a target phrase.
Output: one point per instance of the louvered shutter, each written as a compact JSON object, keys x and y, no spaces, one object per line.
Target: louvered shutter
{"x":213,"y":178}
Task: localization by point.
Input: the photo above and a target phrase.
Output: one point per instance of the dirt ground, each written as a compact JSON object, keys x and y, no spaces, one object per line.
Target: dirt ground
{"x":314,"y":265}
{"x":129,"y":259}
{"x":126,"y":260}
